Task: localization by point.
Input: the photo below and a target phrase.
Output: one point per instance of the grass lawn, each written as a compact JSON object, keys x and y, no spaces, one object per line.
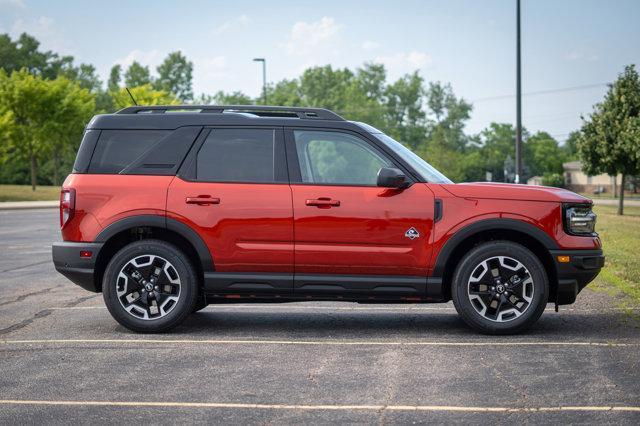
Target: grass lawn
{"x":24,"y":193}
{"x":621,"y":243}
{"x":609,"y":196}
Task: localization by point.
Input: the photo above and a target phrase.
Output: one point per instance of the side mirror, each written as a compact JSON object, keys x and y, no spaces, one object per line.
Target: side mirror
{"x":392,"y":178}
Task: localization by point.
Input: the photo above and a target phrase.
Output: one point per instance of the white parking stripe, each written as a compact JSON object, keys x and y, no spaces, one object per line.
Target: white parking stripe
{"x":319,"y":342}
{"x":446,"y":408}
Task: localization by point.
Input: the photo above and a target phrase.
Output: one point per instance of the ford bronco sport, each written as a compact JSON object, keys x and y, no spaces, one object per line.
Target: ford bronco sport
{"x":169,"y":209}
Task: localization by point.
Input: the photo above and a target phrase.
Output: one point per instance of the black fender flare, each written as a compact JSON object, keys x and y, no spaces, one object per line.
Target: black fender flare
{"x":487,"y":225}
{"x":161,"y":222}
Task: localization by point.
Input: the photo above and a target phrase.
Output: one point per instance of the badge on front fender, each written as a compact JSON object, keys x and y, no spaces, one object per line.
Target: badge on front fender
{"x":412,"y":233}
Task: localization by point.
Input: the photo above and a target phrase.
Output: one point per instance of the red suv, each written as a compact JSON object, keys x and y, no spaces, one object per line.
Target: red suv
{"x":169,"y":209}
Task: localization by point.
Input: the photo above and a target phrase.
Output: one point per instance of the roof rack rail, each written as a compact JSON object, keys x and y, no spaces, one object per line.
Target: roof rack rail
{"x":259,"y":110}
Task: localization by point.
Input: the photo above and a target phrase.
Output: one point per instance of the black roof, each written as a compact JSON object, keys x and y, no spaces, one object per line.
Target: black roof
{"x":175,"y":116}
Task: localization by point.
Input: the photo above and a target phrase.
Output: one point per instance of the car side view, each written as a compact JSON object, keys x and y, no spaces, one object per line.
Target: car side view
{"x":171,"y":208}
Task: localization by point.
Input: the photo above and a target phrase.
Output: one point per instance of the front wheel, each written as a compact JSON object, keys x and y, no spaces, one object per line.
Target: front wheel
{"x":500,"y":287}
{"x":150,"y":286}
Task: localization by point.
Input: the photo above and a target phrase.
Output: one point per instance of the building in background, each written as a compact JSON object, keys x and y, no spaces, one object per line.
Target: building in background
{"x":534,"y":180}
{"x":577,"y":180}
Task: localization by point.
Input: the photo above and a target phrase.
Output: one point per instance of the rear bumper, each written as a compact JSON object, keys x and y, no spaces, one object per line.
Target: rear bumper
{"x":67,"y":261}
{"x":573,"y":276}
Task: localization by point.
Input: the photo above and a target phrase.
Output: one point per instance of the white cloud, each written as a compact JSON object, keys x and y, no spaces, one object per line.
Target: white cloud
{"x":12,"y":4}
{"x":148,"y":58}
{"x":305,"y":37}
{"x":579,"y":54}
{"x":233,"y":24}
{"x":369,"y":45}
{"x":405,"y":61}
{"x":43,"y":28}
{"x":215,"y":66}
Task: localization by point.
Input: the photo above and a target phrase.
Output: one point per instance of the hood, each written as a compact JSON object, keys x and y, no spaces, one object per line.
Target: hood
{"x":510,"y":191}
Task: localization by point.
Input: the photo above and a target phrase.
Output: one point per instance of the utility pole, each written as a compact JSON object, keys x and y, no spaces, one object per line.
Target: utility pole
{"x":518,"y":99}
{"x":264,"y":78}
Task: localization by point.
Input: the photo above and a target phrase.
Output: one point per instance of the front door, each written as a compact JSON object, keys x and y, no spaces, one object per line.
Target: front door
{"x":235,"y":194}
{"x":351,"y":235}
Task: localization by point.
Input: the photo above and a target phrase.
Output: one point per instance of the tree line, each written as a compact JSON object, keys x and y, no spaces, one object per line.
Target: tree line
{"x":47,"y":99}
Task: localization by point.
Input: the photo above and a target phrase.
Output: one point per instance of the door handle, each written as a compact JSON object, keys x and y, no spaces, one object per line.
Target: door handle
{"x":202,"y":200}
{"x":323,"y":202}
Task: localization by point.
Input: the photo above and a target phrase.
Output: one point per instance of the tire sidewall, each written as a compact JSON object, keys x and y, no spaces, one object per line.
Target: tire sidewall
{"x":188,"y":286}
{"x":468,"y":264}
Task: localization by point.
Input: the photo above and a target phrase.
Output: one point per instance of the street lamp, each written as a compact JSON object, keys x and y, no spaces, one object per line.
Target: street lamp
{"x":264,"y":77}
{"x":519,"y":174}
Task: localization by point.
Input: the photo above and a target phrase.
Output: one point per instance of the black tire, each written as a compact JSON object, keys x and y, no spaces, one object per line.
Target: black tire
{"x":178,"y":310}
{"x":504,"y":317}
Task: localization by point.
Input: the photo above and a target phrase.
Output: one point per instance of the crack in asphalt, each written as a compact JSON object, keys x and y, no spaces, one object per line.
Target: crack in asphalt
{"x":33,"y":293}
{"x":25,"y":266}
{"x":22,"y":324}
{"x":41,"y":314}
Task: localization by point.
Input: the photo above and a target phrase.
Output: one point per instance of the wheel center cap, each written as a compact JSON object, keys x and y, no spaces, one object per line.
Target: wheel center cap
{"x":500,"y":288}
{"x":148,"y":286}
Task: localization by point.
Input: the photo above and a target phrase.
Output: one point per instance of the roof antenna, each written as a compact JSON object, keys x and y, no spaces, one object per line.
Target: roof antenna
{"x":132,"y":98}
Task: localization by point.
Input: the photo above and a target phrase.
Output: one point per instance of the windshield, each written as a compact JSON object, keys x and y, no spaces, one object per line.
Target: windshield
{"x":426,"y":170}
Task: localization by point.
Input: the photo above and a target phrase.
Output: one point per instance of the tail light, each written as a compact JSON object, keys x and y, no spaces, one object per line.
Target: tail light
{"x":67,"y":205}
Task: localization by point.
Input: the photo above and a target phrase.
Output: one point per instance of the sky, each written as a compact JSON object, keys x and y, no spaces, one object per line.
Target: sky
{"x":575,"y":45}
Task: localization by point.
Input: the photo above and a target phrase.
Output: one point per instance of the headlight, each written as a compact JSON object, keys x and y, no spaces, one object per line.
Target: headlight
{"x":579,"y":220}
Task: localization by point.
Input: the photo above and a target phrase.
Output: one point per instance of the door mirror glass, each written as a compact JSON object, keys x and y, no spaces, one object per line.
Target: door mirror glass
{"x":392,"y":178}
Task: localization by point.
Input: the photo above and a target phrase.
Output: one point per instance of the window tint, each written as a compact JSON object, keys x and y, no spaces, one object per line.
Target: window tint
{"x":237,"y":155}
{"x":116,"y":149}
{"x":337,"y":158}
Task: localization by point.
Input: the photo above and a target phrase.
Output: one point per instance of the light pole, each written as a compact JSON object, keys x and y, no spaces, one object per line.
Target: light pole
{"x":518,"y":99}
{"x":264,"y":77}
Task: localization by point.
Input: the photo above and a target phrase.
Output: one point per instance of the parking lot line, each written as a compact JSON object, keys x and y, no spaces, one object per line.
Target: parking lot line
{"x":317,"y":342}
{"x":445,"y":408}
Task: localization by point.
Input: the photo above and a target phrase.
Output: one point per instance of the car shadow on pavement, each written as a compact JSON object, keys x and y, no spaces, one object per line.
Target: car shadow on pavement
{"x":344,"y":324}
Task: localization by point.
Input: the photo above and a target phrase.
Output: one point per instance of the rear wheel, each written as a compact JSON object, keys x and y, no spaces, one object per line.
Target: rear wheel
{"x":150,"y":286}
{"x":500,"y":287}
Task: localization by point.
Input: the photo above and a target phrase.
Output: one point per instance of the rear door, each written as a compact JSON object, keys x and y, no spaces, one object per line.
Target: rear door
{"x":234,"y":191}
{"x":351,"y":235}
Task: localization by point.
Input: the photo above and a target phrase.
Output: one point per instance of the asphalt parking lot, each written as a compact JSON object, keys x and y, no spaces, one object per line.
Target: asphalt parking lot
{"x":64,"y":360}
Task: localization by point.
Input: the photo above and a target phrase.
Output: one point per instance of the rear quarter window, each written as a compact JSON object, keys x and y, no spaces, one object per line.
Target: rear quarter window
{"x":238,"y":155}
{"x":116,"y":149}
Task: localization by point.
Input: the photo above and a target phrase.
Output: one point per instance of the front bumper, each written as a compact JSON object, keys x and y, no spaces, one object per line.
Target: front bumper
{"x":573,"y":276}
{"x":80,"y":270}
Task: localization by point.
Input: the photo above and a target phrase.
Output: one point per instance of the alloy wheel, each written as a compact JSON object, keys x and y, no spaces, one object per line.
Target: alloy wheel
{"x":148,"y":287}
{"x":500,"y":289}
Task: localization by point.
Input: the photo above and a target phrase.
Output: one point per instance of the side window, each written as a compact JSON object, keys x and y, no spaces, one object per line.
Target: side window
{"x":237,"y":155}
{"x":337,"y":158}
{"x":116,"y":149}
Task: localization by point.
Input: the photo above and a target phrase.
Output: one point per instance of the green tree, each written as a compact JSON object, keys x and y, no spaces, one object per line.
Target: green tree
{"x":406,"y":119}
{"x":137,"y":75}
{"x":497,"y":143}
{"x":74,"y":107}
{"x":115,"y":75}
{"x":570,"y":146}
{"x":449,"y":115}
{"x":144,"y":95}
{"x":543,"y":155}
{"x":234,"y":98}
{"x":610,"y":138}
{"x":40,"y":116}
{"x":175,"y":76}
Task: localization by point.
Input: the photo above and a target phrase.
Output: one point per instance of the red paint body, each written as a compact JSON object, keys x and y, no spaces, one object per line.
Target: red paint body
{"x":283,"y":228}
